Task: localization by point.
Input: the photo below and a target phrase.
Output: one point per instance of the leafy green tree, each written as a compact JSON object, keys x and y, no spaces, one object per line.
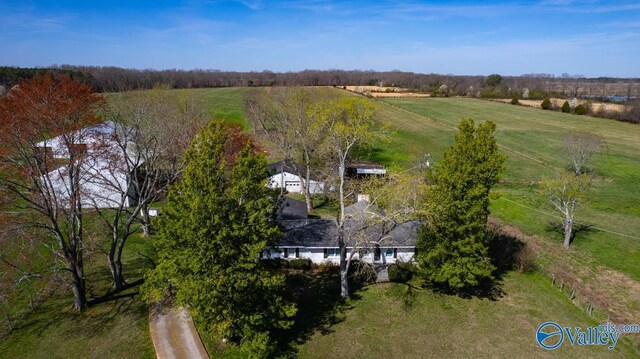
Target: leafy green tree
{"x":352,"y":123}
{"x":493,"y":80}
{"x":546,"y":104}
{"x":580,"y":110}
{"x":566,"y":108}
{"x":453,"y":244}
{"x":214,"y":225}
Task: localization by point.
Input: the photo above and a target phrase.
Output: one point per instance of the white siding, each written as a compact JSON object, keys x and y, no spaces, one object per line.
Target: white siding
{"x":99,"y":186}
{"x":293,"y":183}
{"x":317,"y":255}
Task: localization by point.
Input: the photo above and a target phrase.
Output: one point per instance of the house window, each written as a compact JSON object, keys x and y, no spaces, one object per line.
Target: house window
{"x":297,"y":252}
{"x":389,"y":252}
{"x":331,"y":252}
{"x":285,"y":253}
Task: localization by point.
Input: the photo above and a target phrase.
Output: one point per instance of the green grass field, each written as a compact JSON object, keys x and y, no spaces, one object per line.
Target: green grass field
{"x":532,"y":139}
{"x":381,"y":323}
{"x":388,"y":321}
{"x":117,"y":328}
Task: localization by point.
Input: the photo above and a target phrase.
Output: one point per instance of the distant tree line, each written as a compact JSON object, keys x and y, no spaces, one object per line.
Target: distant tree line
{"x":115,"y":79}
{"x":10,"y":76}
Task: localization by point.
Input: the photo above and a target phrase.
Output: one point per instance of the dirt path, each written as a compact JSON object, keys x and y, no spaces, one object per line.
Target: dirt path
{"x":174,"y":336}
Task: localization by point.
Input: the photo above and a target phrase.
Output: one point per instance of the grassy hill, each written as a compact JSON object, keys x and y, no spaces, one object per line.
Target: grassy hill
{"x":533,"y":141}
{"x":394,"y":321}
{"x":384,"y":320}
{"x":116,"y":328}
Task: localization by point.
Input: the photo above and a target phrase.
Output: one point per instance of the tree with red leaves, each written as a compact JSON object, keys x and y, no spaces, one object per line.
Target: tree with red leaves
{"x":41,"y":137}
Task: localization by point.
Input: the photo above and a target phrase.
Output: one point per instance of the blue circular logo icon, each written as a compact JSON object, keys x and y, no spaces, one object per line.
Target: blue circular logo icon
{"x":549,"y":335}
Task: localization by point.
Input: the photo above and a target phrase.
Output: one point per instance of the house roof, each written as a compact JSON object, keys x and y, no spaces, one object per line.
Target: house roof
{"x":361,"y":209}
{"x":292,"y":209}
{"x":285,"y":166}
{"x":100,"y":137}
{"x":365,"y":168}
{"x":310,"y":233}
{"x":87,"y":134}
{"x":364,"y":164}
{"x":323,"y":233}
{"x":402,"y":234}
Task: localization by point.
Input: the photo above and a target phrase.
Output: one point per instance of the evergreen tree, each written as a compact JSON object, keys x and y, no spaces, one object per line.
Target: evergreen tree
{"x":453,"y":244}
{"x":214,"y":225}
{"x":566,"y":108}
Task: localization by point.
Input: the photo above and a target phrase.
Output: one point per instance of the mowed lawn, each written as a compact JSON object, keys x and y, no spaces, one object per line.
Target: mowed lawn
{"x":384,"y":322}
{"x":116,"y":328}
{"x":389,"y":322}
{"x":532,"y":139}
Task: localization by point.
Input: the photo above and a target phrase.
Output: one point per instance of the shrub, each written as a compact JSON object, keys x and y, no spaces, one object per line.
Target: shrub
{"x":270,"y":263}
{"x":361,"y":272}
{"x":538,"y":94}
{"x":546,"y":104}
{"x":300,"y":263}
{"x":257,"y":345}
{"x":275,"y":263}
{"x":514,"y":101}
{"x":566,"y":108}
{"x":400,"y":272}
{"x":580,"y":110}
{"x":525,"y":259}
{"x":328,"y":266}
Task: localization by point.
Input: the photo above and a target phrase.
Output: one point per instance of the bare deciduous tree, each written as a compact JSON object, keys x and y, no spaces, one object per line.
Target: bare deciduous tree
{"x":381,"y":217}
{"x":32,"y":163}
{"x":566,"y":193}
{"x":136,"y":159}
{"x":581,"y":147}
{"x":351,"y":122}
{"x":285,"y":116}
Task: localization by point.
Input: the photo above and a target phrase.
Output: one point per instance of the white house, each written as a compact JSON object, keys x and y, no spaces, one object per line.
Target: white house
{"x":317,"y":239}
{"x":284,"y":176}
{"x":90,"y":139}
{"x":101,"y":185}
{"x":103,"y":171}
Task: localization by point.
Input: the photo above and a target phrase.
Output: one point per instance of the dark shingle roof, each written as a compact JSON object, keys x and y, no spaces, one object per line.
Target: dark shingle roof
{"x":292,"y":209}
{"x":310,"y":233}
{"x":403,"y":234}
{"x":324,"y":233}
{"x":284,"y":166}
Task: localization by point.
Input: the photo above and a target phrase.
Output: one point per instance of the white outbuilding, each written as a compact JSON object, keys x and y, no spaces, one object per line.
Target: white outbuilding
{"x":284,"y":176}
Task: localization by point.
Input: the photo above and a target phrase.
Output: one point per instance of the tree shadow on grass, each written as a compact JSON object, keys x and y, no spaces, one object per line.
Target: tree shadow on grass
{"x":406,"y":292}
{"x":578,"y":228}
{"x":320,"y":306}
{"x":507,"y":253}
{"x":103,"y":308}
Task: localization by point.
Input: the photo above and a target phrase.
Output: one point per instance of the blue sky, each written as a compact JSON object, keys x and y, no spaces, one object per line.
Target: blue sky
{"x":592,"y":38}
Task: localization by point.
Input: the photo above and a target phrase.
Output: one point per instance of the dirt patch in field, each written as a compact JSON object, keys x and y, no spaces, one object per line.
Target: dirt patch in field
{"x":382,"y":91}
{"x":558,"y":102}
{"x":399,"y":94}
